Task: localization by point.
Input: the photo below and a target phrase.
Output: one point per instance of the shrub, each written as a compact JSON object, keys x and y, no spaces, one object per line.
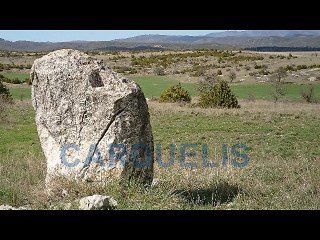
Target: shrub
{"x":16,"y":81}
{"x":175,"y":94}
{"x":8,"y":80}
{"x":279,"y":88}
{"x":263,"y":72}
{"x":299,"y":67}
{"x":219,"y":72}
{"x":214,"y":93}
{"x":4,"y":92}
{"x":247,"y":68}
{"x":199,"y":73}
{"x":232,"y":76}
{"x":290,"y":67}
{"x":4,"y":79}
{"x":308,"y":94}
{"x":279,"y":74}
{"x":159,"y":71}
{"x":5,"y":99}
{"x":133,"y":71}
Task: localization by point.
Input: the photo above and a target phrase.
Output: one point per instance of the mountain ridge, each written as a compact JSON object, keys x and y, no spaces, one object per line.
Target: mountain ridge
{"x":219,"y":40}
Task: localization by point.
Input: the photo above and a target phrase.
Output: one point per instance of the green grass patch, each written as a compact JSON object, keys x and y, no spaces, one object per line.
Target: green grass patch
{"x":22,"y":164}
{"x":14,"y":75}
{"x":153,"y":86}
{"x":264,"y":91}
{"x":283,"y":171}
{"x":20,"y":92}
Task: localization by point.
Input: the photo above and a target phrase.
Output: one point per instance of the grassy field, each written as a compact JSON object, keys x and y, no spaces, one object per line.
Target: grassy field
{"x":283,"y":139}
{"x":20,"y":76}
{"x":264,"y":91}
{"x":283,"y":170}
{"x":153,"y":86}
{"x":21,"y":92}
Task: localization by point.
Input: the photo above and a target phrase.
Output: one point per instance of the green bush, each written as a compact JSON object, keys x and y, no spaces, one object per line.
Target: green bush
{"x":5,"y":95}
{"x":4,"y":79}
{"x":308,"y":94}
{"x":278,"y":85}
{"x":214,"y":93}
{"x":16,"y":81}
{"x":199,"y":73}
{"x":232,"y":76}
{"x":133,"y":71}
{"x":175,"y":94}
{"x":8,"y":80}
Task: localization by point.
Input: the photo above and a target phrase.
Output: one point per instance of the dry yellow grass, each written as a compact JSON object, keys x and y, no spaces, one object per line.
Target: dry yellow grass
{"x":258,"y":106}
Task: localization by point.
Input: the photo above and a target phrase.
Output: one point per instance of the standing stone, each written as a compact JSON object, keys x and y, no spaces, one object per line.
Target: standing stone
{"x":93,"y":123}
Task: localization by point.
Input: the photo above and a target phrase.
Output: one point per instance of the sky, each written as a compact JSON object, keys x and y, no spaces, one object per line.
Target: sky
{"x":89,"y":35}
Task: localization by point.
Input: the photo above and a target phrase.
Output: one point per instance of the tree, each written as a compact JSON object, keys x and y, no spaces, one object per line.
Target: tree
{"x":279,"y":88}
{"x":215,"y":92}
{"x":4,"y":92}
{"x":279,"y":74}
{"x":232,"y":76}
{"x":308,"y":94}
{"x":207,"y":84}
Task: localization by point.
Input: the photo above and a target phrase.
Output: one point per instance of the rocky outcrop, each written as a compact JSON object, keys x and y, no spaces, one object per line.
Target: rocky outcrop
{"x":93,"y":124}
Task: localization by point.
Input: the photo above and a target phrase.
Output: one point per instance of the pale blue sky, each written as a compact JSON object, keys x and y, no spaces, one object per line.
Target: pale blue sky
{"x":88,"y":35}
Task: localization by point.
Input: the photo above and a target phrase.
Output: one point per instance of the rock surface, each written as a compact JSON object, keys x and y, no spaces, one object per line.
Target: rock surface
{"x":97,"y":202}
{"x":8,"y":207}
{"x":82,"y":108}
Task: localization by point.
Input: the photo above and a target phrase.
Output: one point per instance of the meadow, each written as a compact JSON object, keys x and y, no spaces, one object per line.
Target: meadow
{"x":153,"y":86}
{"x":19,"y":75}
{"x":283,"y":171}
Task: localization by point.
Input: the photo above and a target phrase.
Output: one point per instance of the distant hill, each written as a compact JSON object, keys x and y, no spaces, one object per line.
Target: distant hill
{"x":154,"y":38}
{"x":238,"y":39}
{"x":283,"y":49}
{"x":275,"y":41}
{"x":265,"y":33}
{"x":80,"y":45}
{"x":252,"y":39}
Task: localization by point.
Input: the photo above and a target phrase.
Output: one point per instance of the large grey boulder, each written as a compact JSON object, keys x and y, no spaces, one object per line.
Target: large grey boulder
{"x":82,"y":109}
